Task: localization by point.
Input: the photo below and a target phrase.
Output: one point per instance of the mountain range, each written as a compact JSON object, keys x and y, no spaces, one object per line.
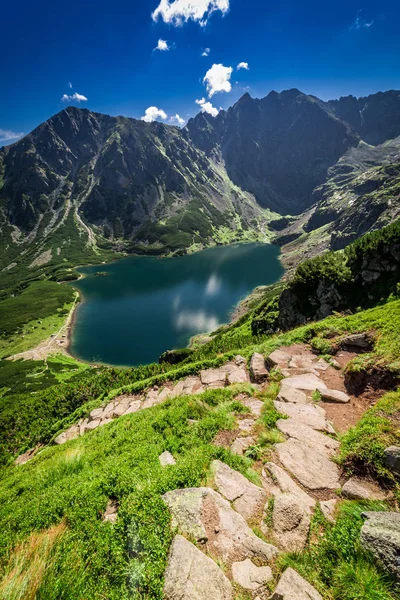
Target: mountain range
{"x":288,"y":165}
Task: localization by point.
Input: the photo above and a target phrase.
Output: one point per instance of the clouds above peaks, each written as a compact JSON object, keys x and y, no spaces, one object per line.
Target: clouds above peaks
{"x":360,"y":22}
{"x":217,"y":79}
{"x":153,"y":113}
{"x":206,"y":52}
{"x":6,"y":135}
{"x":243,"y":65}
{"x":74,"y":98}
{"x":177,"y":119}
{"x":207,"y":107}
{"x":178,"y":12}
{"x":162,"y":45}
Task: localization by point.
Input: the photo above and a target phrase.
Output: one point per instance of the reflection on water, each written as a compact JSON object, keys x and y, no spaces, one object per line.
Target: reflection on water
{"x":146,"y":305}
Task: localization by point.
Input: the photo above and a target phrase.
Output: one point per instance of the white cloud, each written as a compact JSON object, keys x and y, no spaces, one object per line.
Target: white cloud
{"x":6,"y":135}
{"x":162,"y":45}
{"x":361,"y":23}
{"x":198,"y":321}
{"x":70,"y":85}
{"x":243,"y":65}
{"x":207,"y":107}
{"x":178,"y":12}
{"x":177,"y":119}
{"x":206,"y":52}
{"x":152,"y":113}
{"x":213,"y":286}
{"x":217,"y":79}
{"x":74,"y":98}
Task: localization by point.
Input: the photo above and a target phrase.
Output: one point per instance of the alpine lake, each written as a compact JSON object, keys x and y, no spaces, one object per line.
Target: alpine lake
{"x":138,"y":307}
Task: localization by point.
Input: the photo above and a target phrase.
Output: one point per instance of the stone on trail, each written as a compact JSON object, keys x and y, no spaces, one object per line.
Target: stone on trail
{"x":70,"y":434}
{"x":307,"y":382}
{"x":246,"y":425}
{"x":191,"y":575}
{"x":312,"y":468}
{"x":291,"y":522}
{"x":133,"y":407}
{"x":166,"y":459}
{"x":380,"y":534}
{"x":278,"y":358}
{"x":335,"y":396}
{"x":309,"y":436}
{"x":288,"y":393}
{"x":392,"y":459}
{"x":280,"y":482}
{"x":213,"y":377}
{"x":249,"y":576}
{"x":255,"y":406}
{"x":241,"y":444}
{"x":206,"y":516}
{"x":258,"y":370}
{"x":97,"y":413}
{"x":247,"y":499}
{"x":239,"y":375}
{"x":359,"y":489}
{"x":292,"y":586}
{"x":313,"y":416}
{"x":328,"y":509}
{"x":90,"y":426}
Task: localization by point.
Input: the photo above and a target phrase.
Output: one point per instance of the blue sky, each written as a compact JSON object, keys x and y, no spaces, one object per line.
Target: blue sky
{"x":106,"y":50}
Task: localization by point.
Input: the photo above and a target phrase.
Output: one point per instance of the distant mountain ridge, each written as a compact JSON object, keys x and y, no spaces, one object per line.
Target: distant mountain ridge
{"x":96,"y":180}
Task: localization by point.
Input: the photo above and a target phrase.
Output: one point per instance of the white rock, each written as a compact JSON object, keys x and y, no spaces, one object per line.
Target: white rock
{"x":288,"y":393}
{"x":313,"y":416}
{"x":359,"y":489}
{"x":249,"y":576}
{"x":191,"y":575}
{"x":213,"y":376}
{"x":278,"y":358}
{"x":328,"y":509}
{"x":239,"y":375}
{"x":166,"y":459}
{"x":306,"y":382}
{"x":313,"y":469}
{"x":255,"y":406}
{"x":246,"y":425}
{"x":335,"y":396}
{"x":133,"y":407}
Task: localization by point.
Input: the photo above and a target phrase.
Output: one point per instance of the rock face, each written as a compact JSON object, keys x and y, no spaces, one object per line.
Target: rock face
{"x":392,"y":459}
{"x":209,"y":518}
{"x":291,"y":522}
{"x":380,"y":534}
{"x":359,"y":489}
{"x":247,"y":499}
{"x":191,"y":575}
{"x":292,"y":586}
{"x":313,"y":469}
{"x":258,"y":370}
{"x":249,"y":576}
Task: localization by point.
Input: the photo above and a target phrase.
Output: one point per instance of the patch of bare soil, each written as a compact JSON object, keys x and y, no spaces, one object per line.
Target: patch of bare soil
{"x":225,"y":438}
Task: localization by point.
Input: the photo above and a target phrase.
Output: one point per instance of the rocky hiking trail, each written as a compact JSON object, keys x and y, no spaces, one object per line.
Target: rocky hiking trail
{"x":216,"y":552}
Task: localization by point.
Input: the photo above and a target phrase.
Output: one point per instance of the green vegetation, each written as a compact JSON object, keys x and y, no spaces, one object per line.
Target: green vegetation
{"x":336,"y":564}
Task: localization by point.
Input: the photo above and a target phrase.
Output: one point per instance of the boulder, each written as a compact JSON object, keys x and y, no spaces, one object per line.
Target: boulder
{"x":278,"y":358}
{"x":277,"y":481}
{"x":206,"y":516}
{"x":313,"y":416}
{"x":258,"y":370}
{"x":380,"y":534}
{"x":306,"y":382}
{"x":213,"y":377}
{"x":191,"y":575}
{"x":249,"y":576}
{"x":335,"y":396}
{"x":312,"y":468}
{"x":239,"y":375}
{"x":309,"y":436}
{"x":254,"y":406}
{"x":328,"y":508}
{"x":247,"y":499}
{"x":241,"y":444}
{"x":392,"y":459}
{"x":360,"y":489}
{"x":358,"y":341}
{"x":292,"y":586}
{"x":291,"y":522}
{"x":288,"y":393}
{"x":166,"y":459}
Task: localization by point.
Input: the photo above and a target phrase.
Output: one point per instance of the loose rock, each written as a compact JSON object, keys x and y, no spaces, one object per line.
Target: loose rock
{"x":166,"y":459}
{"x":335,"y":396}
{"x":191,"y":575}
{"x":306,"y":382}
{"x":360,"y":341}
{"x":241,"y":444}
{"x":392,"y":459}
{"x":359,"y":489}
{"x":291,"y":522}
{"x":258,"y":370}
{"x":381,"y":535}
{"x":278,"y":358}
{"x":288,"y":393}
{"x":328,"y":509}
{"x":111,"y":512}
{"x":313,"y":416}
{"x":249,"y":576}
{"x":255,"y":406}
{"x":292,"y":586}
